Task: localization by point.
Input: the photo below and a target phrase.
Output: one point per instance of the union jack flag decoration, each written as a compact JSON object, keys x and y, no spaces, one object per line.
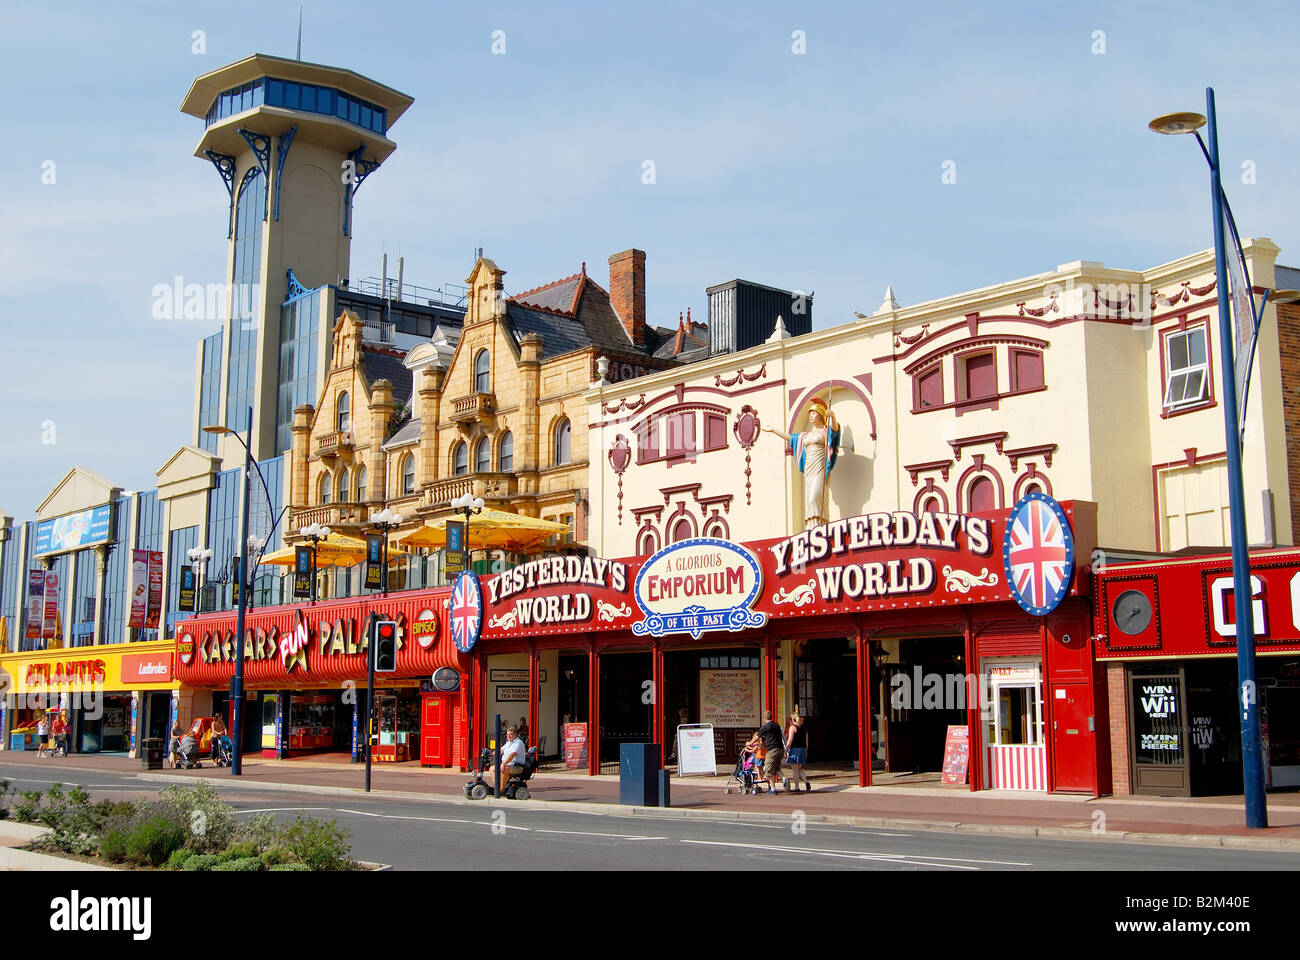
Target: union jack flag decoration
{"x":1038,"y":553}
{"x":466,"y":611}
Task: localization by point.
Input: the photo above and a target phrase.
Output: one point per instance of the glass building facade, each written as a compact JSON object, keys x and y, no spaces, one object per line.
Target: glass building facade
{"x":225,"y":500}
{"x":245,"y":281}
{"x":149,"y":536}
{"x":180,"y":543}
{"x":113,"y":619}
{"x":11,"y":571}
{"x":298,"y":382}
{"x":210,"y":391}
{"x":81,"y":630}
{"x":308,"y":97}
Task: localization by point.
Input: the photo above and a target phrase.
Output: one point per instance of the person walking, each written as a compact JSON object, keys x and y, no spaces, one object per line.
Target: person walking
{"x":43,"y":734}
{"x":59,"y":730}
{"x":796,"y":739}
{"x":774,"y":745}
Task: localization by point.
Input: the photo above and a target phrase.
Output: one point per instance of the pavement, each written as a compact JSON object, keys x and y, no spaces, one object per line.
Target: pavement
{"x":835,"y":798}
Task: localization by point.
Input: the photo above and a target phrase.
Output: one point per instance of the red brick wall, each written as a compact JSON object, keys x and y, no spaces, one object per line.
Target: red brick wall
{"x":1288,"y":335}
{"x":627,"y":291}
{"x":1117,"y":694}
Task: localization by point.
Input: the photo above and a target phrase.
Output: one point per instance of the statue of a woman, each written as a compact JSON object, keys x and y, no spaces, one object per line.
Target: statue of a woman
{"x":815,"y":450}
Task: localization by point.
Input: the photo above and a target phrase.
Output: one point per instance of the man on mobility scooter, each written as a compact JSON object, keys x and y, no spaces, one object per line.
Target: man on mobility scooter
{"x":517,"y":765}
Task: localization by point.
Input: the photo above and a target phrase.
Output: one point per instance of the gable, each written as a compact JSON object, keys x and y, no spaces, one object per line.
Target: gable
{"x":80,"y":489}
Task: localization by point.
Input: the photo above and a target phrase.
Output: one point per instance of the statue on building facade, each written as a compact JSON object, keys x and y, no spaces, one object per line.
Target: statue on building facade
{"x":815,"y":451}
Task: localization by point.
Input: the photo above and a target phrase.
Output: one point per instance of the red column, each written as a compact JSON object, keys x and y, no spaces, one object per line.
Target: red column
{"x":593,"y":709}
{"x":657,"y":703}
{"x":864,"y":707}
{"x":769,"y":674}
{"x":534,"y":691}
{"x":973,"y":721}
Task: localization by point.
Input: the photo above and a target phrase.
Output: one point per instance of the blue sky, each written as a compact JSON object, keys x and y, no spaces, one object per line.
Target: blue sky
{"x":818,"y":171}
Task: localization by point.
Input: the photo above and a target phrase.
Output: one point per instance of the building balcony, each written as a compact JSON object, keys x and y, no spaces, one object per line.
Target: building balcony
{"x":489,"y":486}
{"x":339,"y":515}
{"x":476,"y":408}
{"x":329,"y":445}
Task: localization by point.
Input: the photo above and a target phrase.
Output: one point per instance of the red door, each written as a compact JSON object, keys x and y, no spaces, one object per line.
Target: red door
{"x":435,"y":731}
{"x":1072,"y":737}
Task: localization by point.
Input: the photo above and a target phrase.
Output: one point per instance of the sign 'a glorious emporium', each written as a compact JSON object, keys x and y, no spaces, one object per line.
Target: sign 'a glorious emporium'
{"x":696,"y":586}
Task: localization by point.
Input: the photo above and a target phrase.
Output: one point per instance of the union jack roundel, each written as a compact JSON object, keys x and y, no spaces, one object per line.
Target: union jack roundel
{"x":466,"y":611}
{"x":1038,"y":553}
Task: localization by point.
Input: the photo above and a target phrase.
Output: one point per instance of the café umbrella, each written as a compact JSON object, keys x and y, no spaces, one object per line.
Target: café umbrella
{"x":336,"y":550}
{"x":490,"y":530}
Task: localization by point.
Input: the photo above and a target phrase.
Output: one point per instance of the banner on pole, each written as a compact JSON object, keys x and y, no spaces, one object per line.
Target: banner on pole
{"x":154,"y":612}
{"x":35,"y":603}
{"x":139,"y":588}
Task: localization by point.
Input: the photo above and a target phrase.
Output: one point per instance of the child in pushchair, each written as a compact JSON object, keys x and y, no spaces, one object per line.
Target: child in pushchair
{"x":748,"y":775}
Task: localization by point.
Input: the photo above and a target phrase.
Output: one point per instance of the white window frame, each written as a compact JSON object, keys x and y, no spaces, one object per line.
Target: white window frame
{"x":1183,"y":375}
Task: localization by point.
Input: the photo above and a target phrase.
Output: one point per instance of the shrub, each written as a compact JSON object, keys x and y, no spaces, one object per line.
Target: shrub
{"x":289,"y":867}
{"x":6,"y":788}
{"x":261,"y":830}
{"x":240,"y":865}
{"x":320,"y":844}
{"x":209,"y":821}
{"x":154,"y":836}
{"x":26,"y":808}
{"x":200,"y":861}
{"x":177,"y":860}
{"x":238,"y":851}
{"x":112,"y":844}
{"x":275,"y":855}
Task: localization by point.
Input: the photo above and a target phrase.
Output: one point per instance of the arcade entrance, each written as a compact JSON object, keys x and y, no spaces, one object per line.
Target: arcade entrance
{"x":918,"y":690}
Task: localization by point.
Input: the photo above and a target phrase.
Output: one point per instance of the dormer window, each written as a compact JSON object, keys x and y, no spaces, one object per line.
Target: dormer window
{"x":344,"y":412}
{"x":483,"y":372}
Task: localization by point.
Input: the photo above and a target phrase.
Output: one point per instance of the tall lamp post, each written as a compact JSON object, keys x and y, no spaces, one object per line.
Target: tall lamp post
{"x":315,"y":533}
{"x":199,"y":556}
{"x":237,"y":683}
{"x":384,"y":522}
{"x":1247,"y":689}
{"x":469,"y":505}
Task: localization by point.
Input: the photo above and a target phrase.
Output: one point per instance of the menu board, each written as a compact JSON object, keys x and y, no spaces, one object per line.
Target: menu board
{"x":695,"y":750}
{"x":729,"y":698}
{"x":575,"y":746}
{"x":956,"y":754}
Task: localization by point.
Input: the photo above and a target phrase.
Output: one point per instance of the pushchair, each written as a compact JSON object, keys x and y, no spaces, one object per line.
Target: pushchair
{"x":185,"y":754}
{"x":748,"y":775}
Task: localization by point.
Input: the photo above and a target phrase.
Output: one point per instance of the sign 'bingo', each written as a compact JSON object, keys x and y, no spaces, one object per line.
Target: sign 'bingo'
{"x":696,"y":586}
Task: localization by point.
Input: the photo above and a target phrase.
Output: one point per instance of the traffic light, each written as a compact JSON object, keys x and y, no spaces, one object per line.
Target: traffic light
{"x":385,"y":640}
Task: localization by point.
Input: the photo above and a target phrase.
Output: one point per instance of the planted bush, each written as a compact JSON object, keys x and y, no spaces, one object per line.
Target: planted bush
{"x":240,"y":865}
{"x":289,"y":868}
{"x":155,"y":835}
{"x":320,"y":844}
{"x":177,"y":860}
{"x":209,"y":821}
{"x":199,"y":862}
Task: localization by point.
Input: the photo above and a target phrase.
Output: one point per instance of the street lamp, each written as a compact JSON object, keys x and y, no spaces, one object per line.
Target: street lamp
{"x":199,"y":557}
{"x":237,"y":682}
{"x":1248,"y":699}
{"x":315,"y":533}
{"x":384,"y":521}
{"x":469,"y":505}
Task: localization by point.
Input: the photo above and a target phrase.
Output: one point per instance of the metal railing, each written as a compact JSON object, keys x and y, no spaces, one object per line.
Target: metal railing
{"x":449,"y":294}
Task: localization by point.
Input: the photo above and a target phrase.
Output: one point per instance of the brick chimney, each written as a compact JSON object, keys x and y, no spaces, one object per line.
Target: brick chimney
{"x":627,"y":292}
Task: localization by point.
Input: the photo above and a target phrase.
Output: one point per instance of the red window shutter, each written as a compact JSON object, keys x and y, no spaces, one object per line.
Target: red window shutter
{"x":981,"y":496}
{"x":981,"y":377}
{"x":715,"y":432}
{"x":929,"y":388}
{"x":1029,"y":369}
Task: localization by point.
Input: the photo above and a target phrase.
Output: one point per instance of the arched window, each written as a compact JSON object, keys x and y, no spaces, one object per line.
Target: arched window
{"x":717,"y":528}
{"x":681,"y":530}
{"x":460,"y":460}
{"x":931,"y":505}
{"x":361,"y":484}
{"x":345,"y":411}
{"x":647,"y":543}
{"x":506,"y":453}
{"x":408,"y":474}
{"x":980,"y":495}
{"x":482,"y":372}
{"x":343,"y":486}
{"x":483,"y":455}
{"x":1031,"y":487}
{"x":326,"y":488}
{"x":563,"y":442}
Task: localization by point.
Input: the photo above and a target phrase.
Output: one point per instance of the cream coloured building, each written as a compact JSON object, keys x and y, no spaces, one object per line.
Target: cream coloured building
{"x":1085,"y":382}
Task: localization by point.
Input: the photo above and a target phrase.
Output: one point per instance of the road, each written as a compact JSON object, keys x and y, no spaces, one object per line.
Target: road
{"x":439,"y":833}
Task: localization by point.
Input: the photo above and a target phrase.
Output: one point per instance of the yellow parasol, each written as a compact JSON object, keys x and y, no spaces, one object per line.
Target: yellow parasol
{"x":336,"y":550}
{"x":489,"y":530}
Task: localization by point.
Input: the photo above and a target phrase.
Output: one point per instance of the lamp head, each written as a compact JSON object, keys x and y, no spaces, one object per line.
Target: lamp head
{"x":1172,"y":124}
{"x":217,"y":429}
{"x":1284,"y":296}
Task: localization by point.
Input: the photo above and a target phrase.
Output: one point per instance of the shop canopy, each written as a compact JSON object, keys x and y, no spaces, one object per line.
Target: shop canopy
{"x":336,"y":550}
{"x":489,"y":530}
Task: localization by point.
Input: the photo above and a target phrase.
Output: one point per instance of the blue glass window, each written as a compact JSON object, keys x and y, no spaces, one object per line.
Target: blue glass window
{"x":275,"y":92}
{"x":354,"y":111}
{"x":365,"y":116}
{"x":241,"y":378}
{"x":309,"y":97}
{"x":298,"y":96}
{"x":113,"y":619}
{"x":324,"y":99}
{"x":291,"y":92}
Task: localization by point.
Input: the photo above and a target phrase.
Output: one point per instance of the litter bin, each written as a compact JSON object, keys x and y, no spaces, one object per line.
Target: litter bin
{"x":151,"y":754}
{"x":638,"y":774}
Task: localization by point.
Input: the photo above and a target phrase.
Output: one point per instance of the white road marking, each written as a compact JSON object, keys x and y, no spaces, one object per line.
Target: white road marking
{"x":950,"y":863}
{"x":280,"y":809}
{"x":394,"y":816}
{"x":608,"y":836}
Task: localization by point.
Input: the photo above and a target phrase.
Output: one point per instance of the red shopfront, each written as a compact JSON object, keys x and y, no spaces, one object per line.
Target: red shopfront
{"x":306,"y":667}
{"x":1166,"y":634}
{"x":862,"y":619}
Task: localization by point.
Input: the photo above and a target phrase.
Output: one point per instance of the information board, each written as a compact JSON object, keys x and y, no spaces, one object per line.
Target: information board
{"x":956,"y":755}
{"x":575,"y":746}
{"x":695,"y":750}
{"x":729,"y":698}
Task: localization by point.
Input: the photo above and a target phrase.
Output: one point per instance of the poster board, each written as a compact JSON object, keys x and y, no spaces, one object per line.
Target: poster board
{"x":729,"y":698}
{"x":695,"y":750}
{"x":956,"y":754}
{"x":575,"y":746}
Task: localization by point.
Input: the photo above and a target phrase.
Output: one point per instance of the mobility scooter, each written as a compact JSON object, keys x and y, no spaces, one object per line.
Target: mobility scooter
{"x":515,"y":789}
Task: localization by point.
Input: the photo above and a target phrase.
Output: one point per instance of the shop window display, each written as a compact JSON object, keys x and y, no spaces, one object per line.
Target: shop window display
{"x":399,"y":726}
{"x":311,"y":724}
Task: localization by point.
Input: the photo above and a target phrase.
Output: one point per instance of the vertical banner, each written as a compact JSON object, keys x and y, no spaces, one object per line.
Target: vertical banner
{"x":35,"y":603}
{"x":50,"y":623}
{"x":186,"y":603}
{"x":234,"y":578}
{"x":1243,"y":309}
{"x":155,"y":590}
{"x":374,"y":569}
{"x":139,"y":588}
{"x":455,"y":557}
{"x":135,"y":722}
{"x":302,"y":573}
